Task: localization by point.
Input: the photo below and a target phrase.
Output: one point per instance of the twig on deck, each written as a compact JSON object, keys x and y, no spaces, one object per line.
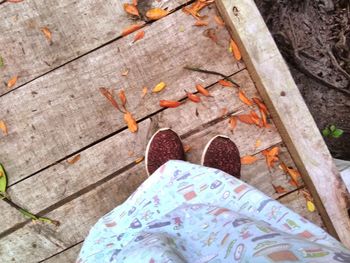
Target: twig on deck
{"x":213,"y":73}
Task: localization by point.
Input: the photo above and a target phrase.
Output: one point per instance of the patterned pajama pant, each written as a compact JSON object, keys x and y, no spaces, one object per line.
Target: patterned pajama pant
{"x":190,"y":213}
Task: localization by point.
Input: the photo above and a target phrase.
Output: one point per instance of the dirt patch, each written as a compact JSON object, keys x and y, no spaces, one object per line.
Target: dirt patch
{"x":314,"y":38}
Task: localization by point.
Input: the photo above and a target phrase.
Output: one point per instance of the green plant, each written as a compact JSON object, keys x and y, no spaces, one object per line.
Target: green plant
{"x":332,"y":131}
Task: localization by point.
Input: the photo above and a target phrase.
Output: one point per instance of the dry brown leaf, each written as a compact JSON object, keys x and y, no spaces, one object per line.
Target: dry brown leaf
{"x":74,"y":159}
{"x":193,"y":97}
{"x":187,"y":148}
{"x":211,"y":33}
{"x":202,"y":90}
{"x":131,"y":122}
{"x":139,"y":36}
{"x":105,"y":92}
{"x":201,"y":23}
{"x":169,"y":103}
{"x":244,"y":98}
{"x":279,"y":189}
{"x":233,"y":122}
{"x":132,"y":28}
{"x":122,"y":98}
{"x":3,"y":127}
{"x":144,"y":91}
{"x":12,"y":82}
{"x":225,"y":83}
{"x":235,"y":50}
{"x":140,"y":159}
{"x":156,"y":13}
{"x":257,"y":143}
{"x":47,"y":33}
{"x":125,"y":72}
{"x":219,"y":20}
{"x":246,"y":118}
{"x":249,"y":159}
{"x":293,"y":173}
{"x":131,"y":9}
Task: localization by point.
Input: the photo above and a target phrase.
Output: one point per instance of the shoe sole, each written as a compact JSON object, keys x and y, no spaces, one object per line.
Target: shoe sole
{"x":147,"y":148}
{"x":207,"y":146}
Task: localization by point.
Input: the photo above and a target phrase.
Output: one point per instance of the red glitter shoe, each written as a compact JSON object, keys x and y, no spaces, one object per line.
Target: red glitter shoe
{"x":164,"y":145}
{"x":222,"y":153}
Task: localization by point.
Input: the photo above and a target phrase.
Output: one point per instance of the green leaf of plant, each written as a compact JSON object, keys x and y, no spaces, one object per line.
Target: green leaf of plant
{"x":326,"y":132}
{"x":332,"y":128}
{"x":337,"y":133}
{"x":1,"y":62}
{"x":3,"y":179}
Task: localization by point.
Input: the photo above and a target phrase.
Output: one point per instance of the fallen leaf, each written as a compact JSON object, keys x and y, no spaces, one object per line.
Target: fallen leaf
{"x":140,"y":159}
{"x":225,"y":83}
{"x":122,"y":98}
{"x":211,"y":33}
{"x":12,"y":82}
{"x":263,"y":118}
{"x":249,"y":159}
{"x":260,"y":104}
{"x":74,"y":159}
{"x":257,"y":143}
{"x":223,"y":112}
{"x":105,"y":92}
{"x":159,"y":87}
{"x":3,"y":127}
{"x":201,"y":23}
{"x":256,"y":118}
{"x":233,"y":122}
{"x":139,"y":36}
{"x":131,"y":122}
{"x":144,"y":91}
{"x":293,"y":173}
{"x":181,"y":28}
{"x":236,"y":53}
{"x":246,"y":118}
{"x":187,"y":148}
{"x":3,"y":179}
{"x":156,"y":13}
{"x":125,"y":72}
{"x":1,"y":62}
{"x":134,"y":2}
{"x":47,"y":33}
{"x":271,"y":156}
{"x":169,"y":103}
{"x":131,"y":9}
{"x":279,"y":189}
{"x":193,"y":97}
{"x":132,"y":28}
{"x":244,"y":98}
{"x":196,"y":7}
{"x":310,"y":206}
{"x":202,"y":90}
{"x":219,"y":21}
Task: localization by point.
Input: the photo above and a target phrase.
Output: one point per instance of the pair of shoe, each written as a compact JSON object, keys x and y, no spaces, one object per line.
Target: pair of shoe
{"x":220,"y":152}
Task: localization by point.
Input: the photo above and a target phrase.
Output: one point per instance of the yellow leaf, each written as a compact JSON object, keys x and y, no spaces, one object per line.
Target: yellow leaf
{"x":138,"y":160}
{"x":3,"y":127}
{"x":310,"y":206}
{"x":12,"y":82}
{"x":130,"y":121}
{"x":257,"y":143}
{"x":156,"y":13}
{"x":159,"y":87}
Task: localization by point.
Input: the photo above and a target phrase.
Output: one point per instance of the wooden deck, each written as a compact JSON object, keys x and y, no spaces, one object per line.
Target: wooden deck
{"x":55,"y":112}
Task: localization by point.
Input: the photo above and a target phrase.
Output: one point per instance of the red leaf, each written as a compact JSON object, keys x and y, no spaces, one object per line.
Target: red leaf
{"x":193,"y":97}
{"x":169,"y":103}
{"x":105,"y":92}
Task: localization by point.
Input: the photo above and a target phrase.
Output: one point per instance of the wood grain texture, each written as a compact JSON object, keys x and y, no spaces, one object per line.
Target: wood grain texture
{"x":68,"y":256}
{"x":291,"y":115}
{"x":77,"y":27}
{"x":62,"y":112}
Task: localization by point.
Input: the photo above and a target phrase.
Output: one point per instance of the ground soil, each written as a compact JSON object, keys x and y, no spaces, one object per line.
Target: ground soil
{"x":314,"y":38}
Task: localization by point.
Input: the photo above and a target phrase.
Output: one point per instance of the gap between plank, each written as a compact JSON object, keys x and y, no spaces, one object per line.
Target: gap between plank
{"x":148,"y":23}
{"x":54,"y":255}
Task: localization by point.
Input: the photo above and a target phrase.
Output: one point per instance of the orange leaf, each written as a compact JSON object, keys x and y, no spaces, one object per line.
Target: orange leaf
{"x":271,"y":156}
{"x":144,"y":91}
{"x":139,"y":36}
{"x":255,"y":118}
{"x":235,"y":50}
{"x":130,"y":121}
{"x":279,"y":189}
{"x":187,"y":148}
{"x":202,"y":90}
{"x":260,"y":104}
{"x":156,"y":13}
{"x":233,"y":122}
{"x":248,"y":159}
{"x":122,"y":97}
{"x":47,"y":33}
{"x":263,"y":118}
{"x":293,"y":173}
{"x":125,"y":72}
{"x":74,"y":159}
{"x":196,"y":7}
{"x":3,"y":128}
{"x":246,"y":118}
{"x":132,"y":28}
{"x":105,"y":92}
{"x":244,"y":98}
{"x":219,"y":21}
{"x":131,"y":9}
{"x":225,"y":83}
{"x":257,"y":143}
{"x":193,"y":97}
{"x":12,"y":82}
{"x":134,"y":2}
{"x":223,"y":112}
{"x":169,"y":103}
{"x":140,"y":159}
{"x":201,"y":23}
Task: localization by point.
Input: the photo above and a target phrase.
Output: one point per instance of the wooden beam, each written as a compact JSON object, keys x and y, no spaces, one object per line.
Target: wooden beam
{"x":290,"y":113}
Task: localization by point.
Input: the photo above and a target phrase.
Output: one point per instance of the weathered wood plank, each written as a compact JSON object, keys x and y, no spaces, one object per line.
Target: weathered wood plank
{"x":68,"y":256}
{"x":62,"y":112}
{"x":77,"y":27}
{"x":294,"y":121}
